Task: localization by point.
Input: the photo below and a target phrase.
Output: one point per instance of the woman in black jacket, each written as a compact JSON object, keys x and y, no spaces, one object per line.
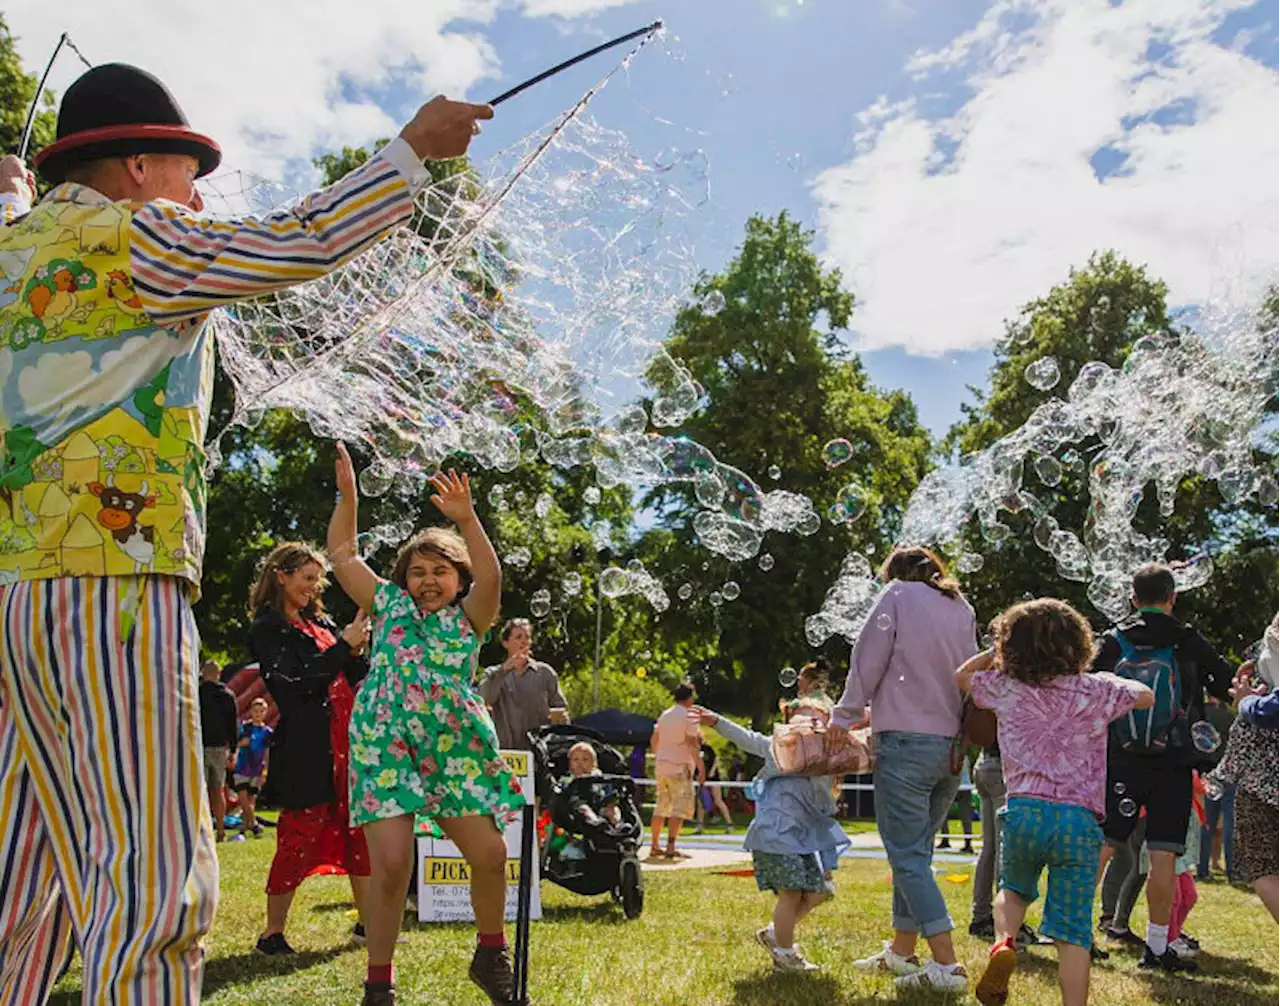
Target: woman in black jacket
{"x":312,"y":672}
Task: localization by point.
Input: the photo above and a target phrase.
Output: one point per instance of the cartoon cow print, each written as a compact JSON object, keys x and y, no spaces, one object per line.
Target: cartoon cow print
{"x":119,"y":515}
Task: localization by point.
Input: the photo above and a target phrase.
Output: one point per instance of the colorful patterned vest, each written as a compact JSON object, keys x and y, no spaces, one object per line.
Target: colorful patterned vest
{"x":102,"y":412}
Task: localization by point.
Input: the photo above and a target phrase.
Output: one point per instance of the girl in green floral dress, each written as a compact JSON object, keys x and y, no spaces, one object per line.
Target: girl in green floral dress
{"x":422,"y":741}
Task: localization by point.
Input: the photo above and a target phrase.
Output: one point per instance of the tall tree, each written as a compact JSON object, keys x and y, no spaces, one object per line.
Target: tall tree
{"x":778,"y":389}
{"x":17,"y":91}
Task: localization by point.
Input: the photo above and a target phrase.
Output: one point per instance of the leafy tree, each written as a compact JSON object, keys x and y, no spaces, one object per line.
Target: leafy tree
{"x":17,"y":91}
{"x":777,"y":391}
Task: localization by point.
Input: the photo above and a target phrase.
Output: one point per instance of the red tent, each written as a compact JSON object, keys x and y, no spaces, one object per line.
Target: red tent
{"x":246,"y":685}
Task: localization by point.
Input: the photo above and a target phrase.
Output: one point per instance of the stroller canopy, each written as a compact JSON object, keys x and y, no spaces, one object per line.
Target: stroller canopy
{"x":618,"y":727}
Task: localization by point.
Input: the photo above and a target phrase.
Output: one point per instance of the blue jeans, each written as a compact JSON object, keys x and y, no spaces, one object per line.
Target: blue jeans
{"x":1213,"y":809}
{"x":914,"y":792}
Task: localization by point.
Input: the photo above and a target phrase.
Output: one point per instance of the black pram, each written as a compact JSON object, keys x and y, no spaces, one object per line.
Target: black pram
{"x":585,"y":851}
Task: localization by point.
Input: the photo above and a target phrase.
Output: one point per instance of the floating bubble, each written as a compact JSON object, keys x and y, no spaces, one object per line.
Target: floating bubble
{"x":1118,"y":788}
{"x":1205,"y":737}
{"x":571,"y":584}
{"x":716,"y":599}
{"x":766,"y":562}
{"x":591,"y":495}
{"x":775,"y":472}
{"x":1194,"y":572}
{"x":787,"y":677}
{"x":884,"y":622}
{"x":685,"y":592}
{"x":1048,"y":470}
{"x":1043,"y":374}
{"x":518,"y":557}
{"x":376,"y":479}
{"x":542,"y":506}
{"x":850,"y":504}
{"x":837,"y":452}
{"x":731,"y":591}
{"x":713,"y":303}
{"x":540,"y":603}
{"x":1127,"y":807}
{"x":602,"y":536}
{"x":614,"y":582}
{"x":969,"y":562}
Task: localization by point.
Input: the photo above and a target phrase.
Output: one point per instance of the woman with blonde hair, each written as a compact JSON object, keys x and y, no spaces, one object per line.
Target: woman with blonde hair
{"x":312,"y":672}
{"x":920,"y":630}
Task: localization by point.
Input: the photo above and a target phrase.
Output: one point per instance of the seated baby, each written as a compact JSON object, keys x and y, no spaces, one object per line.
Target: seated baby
{"x":582,"y":762}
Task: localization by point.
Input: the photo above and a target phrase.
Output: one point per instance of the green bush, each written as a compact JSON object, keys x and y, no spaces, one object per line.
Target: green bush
{"x":617,"y":691}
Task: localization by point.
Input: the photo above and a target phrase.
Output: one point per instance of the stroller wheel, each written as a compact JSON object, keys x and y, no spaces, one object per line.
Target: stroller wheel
{"x":631,"y":887}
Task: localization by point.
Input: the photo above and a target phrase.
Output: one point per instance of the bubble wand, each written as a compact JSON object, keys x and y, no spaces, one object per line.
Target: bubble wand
{"x":35,"y":101}
{"x":646,"y":30}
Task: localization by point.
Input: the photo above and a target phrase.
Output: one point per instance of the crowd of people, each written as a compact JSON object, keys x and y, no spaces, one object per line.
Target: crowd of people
{"x":380,"y":728}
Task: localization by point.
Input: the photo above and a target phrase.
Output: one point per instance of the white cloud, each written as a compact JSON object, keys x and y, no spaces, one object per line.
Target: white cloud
{"x":265,"y":78}
{"x":945,"y":227}
{"x":568,"y":8}
{"x":60,"y":382}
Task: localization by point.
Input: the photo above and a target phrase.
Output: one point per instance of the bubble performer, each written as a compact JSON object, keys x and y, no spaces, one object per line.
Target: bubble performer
{"x":106,"y":375}
{"x":422,"y":741}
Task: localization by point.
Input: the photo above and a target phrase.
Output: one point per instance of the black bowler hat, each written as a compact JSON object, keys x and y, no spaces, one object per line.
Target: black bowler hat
{"x":116,"y":110}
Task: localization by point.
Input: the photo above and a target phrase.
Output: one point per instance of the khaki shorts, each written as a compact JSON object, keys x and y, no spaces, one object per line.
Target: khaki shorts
{"x":675,"y":797}
{"x":215,"y":767}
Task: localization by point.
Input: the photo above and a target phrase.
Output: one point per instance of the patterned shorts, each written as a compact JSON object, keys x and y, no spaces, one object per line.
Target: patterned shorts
{"x":780,"y":871}
{"x":1065,"y":838}
{"x":675,"y":797}
{"x":1256,"y":840}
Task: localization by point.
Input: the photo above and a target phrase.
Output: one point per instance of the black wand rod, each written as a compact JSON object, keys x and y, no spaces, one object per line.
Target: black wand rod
{"x":35,"y":102}
{"x":646,"y":30}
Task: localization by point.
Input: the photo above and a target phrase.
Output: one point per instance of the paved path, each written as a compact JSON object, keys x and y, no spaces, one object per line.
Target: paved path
{"x":719,"y":849}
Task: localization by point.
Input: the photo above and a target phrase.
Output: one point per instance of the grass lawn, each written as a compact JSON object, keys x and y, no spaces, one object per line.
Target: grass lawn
{"x":693,"y":947}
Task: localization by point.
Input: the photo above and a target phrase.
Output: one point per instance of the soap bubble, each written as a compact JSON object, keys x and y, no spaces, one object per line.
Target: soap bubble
{"x":542,"y":506}
{"x":716,"y":599}
{"x":1118,"y":788}
{"x":766,"y":562}
{"x":787,"y":677}
{"x":713,"y":303}
{"x":1205,"y":737}
{"x":376,"y":479}
{"x":731,"y":591}
{"x":884,"y":622}
{"x":685,"y":592}
{"x":1043,"y":373}
{"x":849,"y":505}
{"x":837,"y":452}
{"x":1127,"y":807}
{"x":518,"y":557}
{"x":775,"y":472}
{"x":591,"y":495}
{"x":969,"y":562}
{"x":614,"y":582}
{"x":571,"y":584}
{"x":1048,"y":470}
{"x":540,"y":603}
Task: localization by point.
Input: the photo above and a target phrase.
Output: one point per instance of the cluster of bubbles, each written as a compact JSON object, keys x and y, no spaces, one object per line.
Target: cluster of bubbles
{"x":848,"y":602}
{"x":1183,"y":404}
{"x":617,"y":582}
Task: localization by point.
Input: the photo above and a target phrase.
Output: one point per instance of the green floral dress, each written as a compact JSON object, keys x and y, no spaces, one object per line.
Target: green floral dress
{"x":422,"y":741}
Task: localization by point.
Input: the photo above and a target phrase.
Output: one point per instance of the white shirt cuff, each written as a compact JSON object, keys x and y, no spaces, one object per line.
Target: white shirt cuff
{"x":403,"y":159}
{"x":21,"y":206}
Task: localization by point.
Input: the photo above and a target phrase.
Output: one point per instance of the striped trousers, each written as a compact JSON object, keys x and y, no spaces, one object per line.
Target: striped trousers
{"x":105,"y":832}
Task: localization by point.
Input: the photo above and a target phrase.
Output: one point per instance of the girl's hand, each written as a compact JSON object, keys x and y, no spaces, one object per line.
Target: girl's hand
{"x":346,"y":474}
{"x":453,"y":496}
{"x":357,"y":633}
{"x":702,"y":716}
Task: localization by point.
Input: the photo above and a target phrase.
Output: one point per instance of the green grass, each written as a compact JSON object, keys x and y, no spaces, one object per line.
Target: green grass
{"x":693,"y":947}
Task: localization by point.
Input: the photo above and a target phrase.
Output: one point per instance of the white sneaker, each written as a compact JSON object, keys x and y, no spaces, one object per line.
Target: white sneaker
{"x":934,"y":976}
{"x":886,"y":960}
{"x":793,"y":961}
{"x":765,"y":938}
{"x":1183,"y":949}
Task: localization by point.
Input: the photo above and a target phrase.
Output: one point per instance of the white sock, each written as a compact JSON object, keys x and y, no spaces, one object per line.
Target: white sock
{"x":769,"y":928}
{"x":1157,"y":938}
{"x":786,"y":951}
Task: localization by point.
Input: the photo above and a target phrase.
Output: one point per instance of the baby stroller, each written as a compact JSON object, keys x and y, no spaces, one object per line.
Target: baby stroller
{"x":580,"y":854}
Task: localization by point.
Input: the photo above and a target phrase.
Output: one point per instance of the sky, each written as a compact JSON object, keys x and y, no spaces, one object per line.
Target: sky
{"x":954,"y":158}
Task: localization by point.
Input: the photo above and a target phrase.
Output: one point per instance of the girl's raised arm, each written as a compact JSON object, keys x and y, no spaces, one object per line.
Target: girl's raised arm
{"x":453,"y":499}
{"x":352,"y":573}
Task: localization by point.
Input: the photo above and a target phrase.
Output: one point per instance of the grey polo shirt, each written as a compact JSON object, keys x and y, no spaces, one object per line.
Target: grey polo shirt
{"x":521,"y":701}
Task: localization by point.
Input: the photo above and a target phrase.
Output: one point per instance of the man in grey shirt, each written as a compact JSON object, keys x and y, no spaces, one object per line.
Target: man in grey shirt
{"x":523,"y":694}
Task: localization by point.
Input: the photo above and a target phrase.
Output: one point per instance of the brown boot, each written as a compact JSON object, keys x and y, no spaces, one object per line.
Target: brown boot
{"x":491,"y":970}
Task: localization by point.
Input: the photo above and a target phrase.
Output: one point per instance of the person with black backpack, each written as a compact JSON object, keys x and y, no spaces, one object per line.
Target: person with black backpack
{"x":1151,"y":753}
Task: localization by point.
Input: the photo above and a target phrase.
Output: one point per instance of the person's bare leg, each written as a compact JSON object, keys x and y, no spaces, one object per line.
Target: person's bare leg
{"x":1073,"y":973}
{"x":655,"y":849}
{"x":218,"y":808}
{"x":248,"y":805}
{"x":360,"y":894}
{"x":785,"y":915}
{"x":391,"y":854}
{"x":1160,"y":888}
{"x":1009,"y":912}
{"x":482,"y":845}
{"x":904,"y":942}
{"x":1215,"y":854}
{"x":278,"y":912}
{"x":673,"y":830}
{"x":1268,"y":889}
{"x":943,"y":950}
{"x":1104,"y":857}
{"x":721,"y":807}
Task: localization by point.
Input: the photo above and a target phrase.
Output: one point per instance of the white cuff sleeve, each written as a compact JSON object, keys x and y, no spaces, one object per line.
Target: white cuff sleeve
{"x":401,"y":156}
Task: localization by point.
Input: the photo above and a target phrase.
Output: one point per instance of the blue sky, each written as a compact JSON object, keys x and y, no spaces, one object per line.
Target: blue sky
{"x":954,"y":157}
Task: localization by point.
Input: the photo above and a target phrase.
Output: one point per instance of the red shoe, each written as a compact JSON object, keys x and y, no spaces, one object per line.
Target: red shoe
{"x":993,"y":986}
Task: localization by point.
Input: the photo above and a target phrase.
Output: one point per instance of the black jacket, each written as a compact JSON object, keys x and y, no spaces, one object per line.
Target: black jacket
{"x":1199,"y":666}
{"x":298,"y":674}
{"x":217,"y":715}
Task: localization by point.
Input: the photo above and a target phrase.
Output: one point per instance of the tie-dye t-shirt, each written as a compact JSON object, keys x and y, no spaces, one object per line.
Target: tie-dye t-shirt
{"x":1053,"y":737}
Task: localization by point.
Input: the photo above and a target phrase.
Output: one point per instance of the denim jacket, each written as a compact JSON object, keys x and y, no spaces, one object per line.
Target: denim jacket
{"x":795,"y":814}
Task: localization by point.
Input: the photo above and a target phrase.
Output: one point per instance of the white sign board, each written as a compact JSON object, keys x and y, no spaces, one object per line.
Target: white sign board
{"x":444,"y":881}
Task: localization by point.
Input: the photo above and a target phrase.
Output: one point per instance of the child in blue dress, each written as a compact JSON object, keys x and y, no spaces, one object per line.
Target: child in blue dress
{"x":422,"y":742}
{"x":794,"y":840}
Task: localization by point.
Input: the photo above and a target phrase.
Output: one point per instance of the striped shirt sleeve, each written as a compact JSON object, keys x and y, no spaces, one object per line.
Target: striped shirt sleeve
{"x":185,"y":264}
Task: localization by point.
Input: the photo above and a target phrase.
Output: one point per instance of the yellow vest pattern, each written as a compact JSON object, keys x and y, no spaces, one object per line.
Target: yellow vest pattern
{"x":102,"y":412}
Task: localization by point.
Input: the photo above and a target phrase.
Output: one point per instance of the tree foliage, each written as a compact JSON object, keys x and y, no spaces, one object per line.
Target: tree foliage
{"x":17,"y":91}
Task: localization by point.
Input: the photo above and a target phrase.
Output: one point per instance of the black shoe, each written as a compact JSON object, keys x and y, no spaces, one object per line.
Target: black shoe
{"x":1191,"y":941}
{"x":1096,"y":953}
{"x":1027,"y":937}
{"x":1104,"y":923}
{"x":985,"y":928}
{"x":1127,"y":936}
{"x":1167,"y":961}
{"x":379,"y":994}
{"x":357,"y":934}
{"x":274,"y":945}
{"x":968,"y":849}
{"x":491,"y":970}
{"x":944,"y":844}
